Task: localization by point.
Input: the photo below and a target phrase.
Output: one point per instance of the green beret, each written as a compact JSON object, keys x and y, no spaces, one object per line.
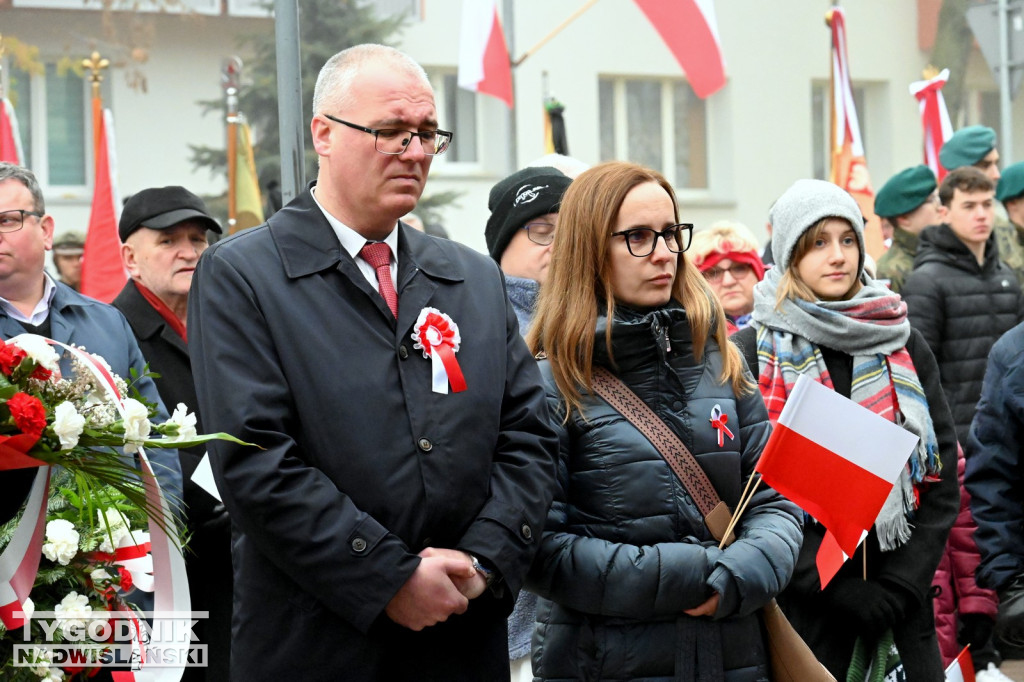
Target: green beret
{"x":967,"y":147}
{"x":905,"y":191}
{"x":1011,"y":183}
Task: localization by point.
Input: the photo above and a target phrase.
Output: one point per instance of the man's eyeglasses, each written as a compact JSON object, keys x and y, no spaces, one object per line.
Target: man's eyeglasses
{"x":540,"y":233}
{"x":394,"y":141}
{"x":14,"y":220}
{"x":737,"y":270}
{"x":641,"y":241}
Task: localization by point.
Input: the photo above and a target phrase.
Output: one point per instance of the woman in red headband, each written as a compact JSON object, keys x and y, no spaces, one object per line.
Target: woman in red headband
{"x":726,"y":254}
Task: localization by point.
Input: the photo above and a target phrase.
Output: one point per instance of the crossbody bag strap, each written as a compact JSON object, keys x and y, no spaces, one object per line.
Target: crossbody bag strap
{"x":682,"y":462}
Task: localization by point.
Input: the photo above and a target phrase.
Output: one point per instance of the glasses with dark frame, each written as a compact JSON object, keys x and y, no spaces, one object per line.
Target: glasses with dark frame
{"x":394,"y":141}
{"x":641,"y":241}
{"x":14,"y":220}
{"x":737,"y":270}
{"x":540,"y":233}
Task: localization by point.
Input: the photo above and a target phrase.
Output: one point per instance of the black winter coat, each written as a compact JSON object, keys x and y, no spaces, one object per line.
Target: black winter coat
{"x":960,"y":308}
{"x":626,"y":550}
{"x":208,"y":559}
{"x":907,"y":571}
{"x":995,"y":468}
{"x":364,"y":464}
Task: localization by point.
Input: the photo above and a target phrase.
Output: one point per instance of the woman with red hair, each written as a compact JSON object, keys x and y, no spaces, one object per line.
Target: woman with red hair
{"x":726,"y":254}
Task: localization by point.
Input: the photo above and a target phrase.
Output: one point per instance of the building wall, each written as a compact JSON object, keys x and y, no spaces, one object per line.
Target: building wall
{"x":759,"y":127}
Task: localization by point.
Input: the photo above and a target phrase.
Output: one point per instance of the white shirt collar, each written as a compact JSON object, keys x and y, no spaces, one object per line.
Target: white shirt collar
{"x":42,"y":309}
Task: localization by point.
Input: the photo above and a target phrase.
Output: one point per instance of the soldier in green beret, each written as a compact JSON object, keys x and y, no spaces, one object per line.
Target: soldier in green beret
{"x":908,"y":202}
{"x":1011,"y":192}
{"x":976,"y":146}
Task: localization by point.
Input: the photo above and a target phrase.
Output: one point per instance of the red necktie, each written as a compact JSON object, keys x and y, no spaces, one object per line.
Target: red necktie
{"x":378,"y":254}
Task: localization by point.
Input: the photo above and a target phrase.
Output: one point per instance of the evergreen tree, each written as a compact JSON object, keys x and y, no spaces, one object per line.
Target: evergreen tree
{"x":325,"y":28}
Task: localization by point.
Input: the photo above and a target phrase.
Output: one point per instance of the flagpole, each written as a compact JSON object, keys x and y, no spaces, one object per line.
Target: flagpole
{"x":740,"y":508}
{"x":558,"y":29}
{"x":96,"y":64}
{"x":230,"y":77}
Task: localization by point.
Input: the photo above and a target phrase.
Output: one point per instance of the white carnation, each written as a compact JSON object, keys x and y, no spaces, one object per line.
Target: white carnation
{"x":186,"y":423}
{"x":61,"y":541}
{"x":74,"y":612}
{"x":115,"y":528}
{"x":136,"y":425}
{"x":68,"y":425}
{"x":42,"y":659}
{"x":39,"y":350}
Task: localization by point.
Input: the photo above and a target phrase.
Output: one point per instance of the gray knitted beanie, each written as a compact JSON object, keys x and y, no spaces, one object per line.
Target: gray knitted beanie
{"x":801,"y":207}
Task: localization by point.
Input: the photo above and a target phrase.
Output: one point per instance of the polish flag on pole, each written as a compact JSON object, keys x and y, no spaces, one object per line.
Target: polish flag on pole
{"x":934,"y":119}
{"x":690,"y":31}
{"x":962,"y":668}
{"x":10,"y":138}
{"x":484,"y":63}
{"x":836,"y":459}
{"x":103,"y":274}
{"x":849,"y":166}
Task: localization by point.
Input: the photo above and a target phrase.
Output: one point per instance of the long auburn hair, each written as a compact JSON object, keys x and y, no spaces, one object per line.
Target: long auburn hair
{"x":579,"y":277}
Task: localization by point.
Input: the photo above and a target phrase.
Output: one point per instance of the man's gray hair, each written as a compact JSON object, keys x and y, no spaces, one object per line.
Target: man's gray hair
{"x":10,"y":171}
{"x":334,"y":83}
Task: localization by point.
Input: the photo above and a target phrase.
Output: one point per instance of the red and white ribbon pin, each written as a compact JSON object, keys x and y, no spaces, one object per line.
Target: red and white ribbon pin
{"x":718,"y":420}
{"x":438,"y":337}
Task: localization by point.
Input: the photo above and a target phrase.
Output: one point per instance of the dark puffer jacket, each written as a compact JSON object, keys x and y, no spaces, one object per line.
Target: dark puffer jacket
{"x":960,"y":308}
{"x":995,"y":468}
{"x":626,"y":551}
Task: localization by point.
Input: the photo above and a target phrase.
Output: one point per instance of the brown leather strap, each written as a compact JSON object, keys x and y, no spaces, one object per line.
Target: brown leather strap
{"x":669,"y":445}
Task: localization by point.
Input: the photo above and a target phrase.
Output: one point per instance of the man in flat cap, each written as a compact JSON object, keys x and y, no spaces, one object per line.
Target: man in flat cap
{"x":908,"y":202}
{"x":163,"y":230}
{"x":976,"y":146}
{"x":67,"y":258}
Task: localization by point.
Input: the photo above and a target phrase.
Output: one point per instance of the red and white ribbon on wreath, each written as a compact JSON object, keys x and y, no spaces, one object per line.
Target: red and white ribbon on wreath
{"x":718,"y":420}
{"x":438,"y":337}
{"x":19,"y":562}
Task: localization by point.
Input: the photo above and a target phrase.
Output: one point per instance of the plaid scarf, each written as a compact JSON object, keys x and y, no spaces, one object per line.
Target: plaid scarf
{"x":871,"y":327}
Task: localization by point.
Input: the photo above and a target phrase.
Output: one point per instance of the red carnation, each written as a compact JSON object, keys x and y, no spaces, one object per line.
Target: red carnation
{"x":10,"y":357}
{"x":41,"y":373}
{"x":126,"y":579}
{"x":28,"y":412}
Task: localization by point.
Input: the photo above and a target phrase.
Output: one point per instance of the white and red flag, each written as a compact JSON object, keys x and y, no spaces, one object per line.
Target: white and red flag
{"x":934,"y":119}
{"x":849,"y":166}
{"x":690,"y":31}
{"x":103,"y":274}
{"x":837,"y":460}
{"x":10,"y":138}
{"x":962,"y":668}
{"x":484,"y":63}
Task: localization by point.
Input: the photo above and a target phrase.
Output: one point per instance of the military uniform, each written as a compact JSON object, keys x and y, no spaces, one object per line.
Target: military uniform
{"x":1010,"y":239}
{"x":896,"y":263}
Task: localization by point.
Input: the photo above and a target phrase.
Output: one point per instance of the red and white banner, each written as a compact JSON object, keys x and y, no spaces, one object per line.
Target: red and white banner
{"x":849,"y":166}
{"x":10,"y":137}
{"x":834,"y":458}
{"x":103,"y":274}
{"x":484,"y":63}
{"x":690,"y":30}
{"x":934,"y":119}
{"x":962,"y":668}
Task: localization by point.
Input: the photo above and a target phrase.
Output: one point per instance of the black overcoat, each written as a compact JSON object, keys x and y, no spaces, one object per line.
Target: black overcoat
{"x":363,"y":464}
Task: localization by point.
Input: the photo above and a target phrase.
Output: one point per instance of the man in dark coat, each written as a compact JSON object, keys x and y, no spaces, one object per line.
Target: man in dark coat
{"x":960,"y":296}
{"x":385,"y":528}
{"x":163,"y":233}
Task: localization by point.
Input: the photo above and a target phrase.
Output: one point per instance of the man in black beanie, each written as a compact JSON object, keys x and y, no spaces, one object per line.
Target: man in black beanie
{"x":521,"y":229}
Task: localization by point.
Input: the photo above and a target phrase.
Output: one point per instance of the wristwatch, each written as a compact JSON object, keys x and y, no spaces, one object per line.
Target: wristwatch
{"x":487,"y":573}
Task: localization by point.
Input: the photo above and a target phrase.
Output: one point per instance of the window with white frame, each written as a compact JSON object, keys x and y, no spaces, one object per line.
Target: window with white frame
{"x":457,"y":112}
{"x":821,"y":125}
{"x":659,"y":123}
{"x":54,"y":113}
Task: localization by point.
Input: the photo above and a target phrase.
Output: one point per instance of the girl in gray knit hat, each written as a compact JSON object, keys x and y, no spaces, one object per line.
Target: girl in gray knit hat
{"x":818,"y":313}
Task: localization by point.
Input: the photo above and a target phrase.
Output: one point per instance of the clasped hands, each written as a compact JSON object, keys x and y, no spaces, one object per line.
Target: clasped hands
{"x":442,"y":584}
